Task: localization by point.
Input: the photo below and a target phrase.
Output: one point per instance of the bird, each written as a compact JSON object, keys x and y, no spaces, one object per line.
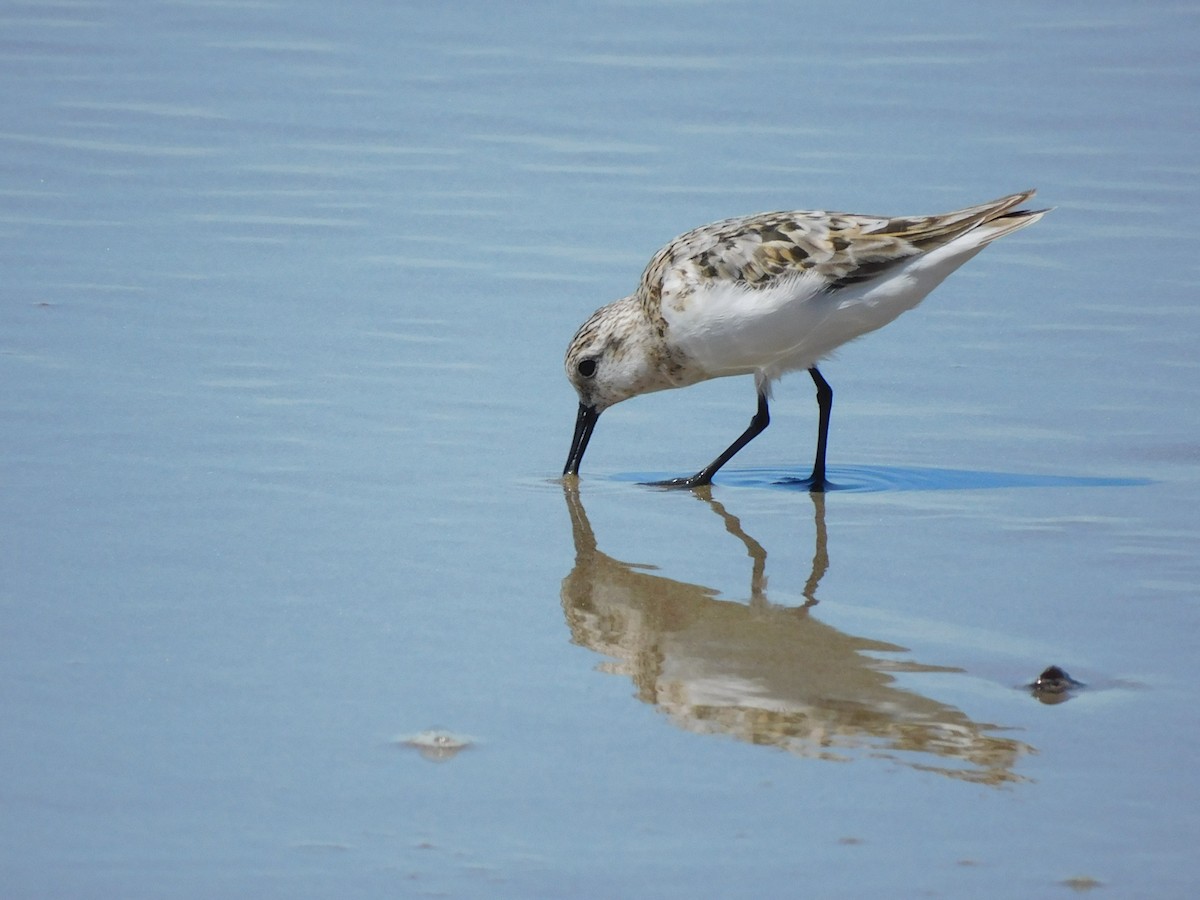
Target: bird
{"x":765,"y":295}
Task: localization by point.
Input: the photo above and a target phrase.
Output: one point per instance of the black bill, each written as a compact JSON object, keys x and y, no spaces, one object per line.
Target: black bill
{"x":585,"y":423}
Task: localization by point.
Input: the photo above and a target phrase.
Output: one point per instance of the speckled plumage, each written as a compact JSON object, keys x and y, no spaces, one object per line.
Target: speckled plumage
{"x":768,"y":294}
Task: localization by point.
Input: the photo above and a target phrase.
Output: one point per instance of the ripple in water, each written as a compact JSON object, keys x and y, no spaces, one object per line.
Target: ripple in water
{"x":866,"y":479}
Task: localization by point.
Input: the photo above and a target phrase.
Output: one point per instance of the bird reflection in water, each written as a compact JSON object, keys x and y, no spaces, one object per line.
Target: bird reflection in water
{"x":768,"y":674}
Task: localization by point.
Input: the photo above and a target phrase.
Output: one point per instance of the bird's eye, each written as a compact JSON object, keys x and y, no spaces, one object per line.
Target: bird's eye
{"x":586,"y":367}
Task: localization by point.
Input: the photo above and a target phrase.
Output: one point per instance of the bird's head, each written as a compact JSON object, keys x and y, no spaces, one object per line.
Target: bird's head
{"x":613,"y":356}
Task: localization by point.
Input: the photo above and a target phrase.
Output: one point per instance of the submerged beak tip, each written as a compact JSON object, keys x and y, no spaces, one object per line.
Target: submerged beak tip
{"x":585,"y":422}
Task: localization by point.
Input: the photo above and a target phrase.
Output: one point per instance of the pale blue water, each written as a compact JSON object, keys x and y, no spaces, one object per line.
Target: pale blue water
{"x":893,"y":478}
{"x":286,"y":287}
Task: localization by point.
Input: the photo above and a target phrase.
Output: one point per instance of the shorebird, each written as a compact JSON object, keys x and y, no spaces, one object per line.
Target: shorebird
{"x":764,"y":295}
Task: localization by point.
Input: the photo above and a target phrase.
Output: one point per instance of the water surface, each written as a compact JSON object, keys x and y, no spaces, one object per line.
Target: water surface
{"x":286,"y":288}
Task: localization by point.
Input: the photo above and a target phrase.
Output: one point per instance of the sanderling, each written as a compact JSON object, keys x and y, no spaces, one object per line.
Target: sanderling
{"x":767,"y":294}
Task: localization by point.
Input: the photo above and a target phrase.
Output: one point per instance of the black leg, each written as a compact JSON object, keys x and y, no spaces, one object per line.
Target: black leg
{"x":762,"y":418}
{"x":816,"y":481}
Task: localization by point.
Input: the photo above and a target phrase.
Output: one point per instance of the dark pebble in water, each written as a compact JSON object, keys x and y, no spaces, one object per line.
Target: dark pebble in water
{"x":1053,"y":685}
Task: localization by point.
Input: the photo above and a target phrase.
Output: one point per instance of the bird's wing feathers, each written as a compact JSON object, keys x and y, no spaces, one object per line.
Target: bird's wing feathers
{"x":841,"y":248}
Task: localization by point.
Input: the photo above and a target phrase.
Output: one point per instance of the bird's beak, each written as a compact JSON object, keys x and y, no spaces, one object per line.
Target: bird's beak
{"x":585,"y":423}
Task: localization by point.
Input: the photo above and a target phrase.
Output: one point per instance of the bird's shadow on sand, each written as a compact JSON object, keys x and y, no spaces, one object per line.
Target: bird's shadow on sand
{"x":867,"y":479}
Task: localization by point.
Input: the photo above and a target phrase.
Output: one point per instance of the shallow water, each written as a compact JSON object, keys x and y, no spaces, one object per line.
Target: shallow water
{"x":893,"y":478}
{"x":286,"y":288}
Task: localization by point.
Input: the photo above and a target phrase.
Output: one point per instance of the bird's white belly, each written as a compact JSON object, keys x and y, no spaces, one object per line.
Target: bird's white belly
{"x":736,"y":331}
{"x":729,"y":329}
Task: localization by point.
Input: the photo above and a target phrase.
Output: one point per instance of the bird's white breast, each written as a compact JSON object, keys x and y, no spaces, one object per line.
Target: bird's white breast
{"x":725,"y":327}
{"x":728,"y":328}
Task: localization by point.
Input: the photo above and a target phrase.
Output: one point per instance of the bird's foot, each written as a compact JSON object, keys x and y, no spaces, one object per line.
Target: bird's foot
{"x":815,"y":484}
{"x":695,"y":481}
